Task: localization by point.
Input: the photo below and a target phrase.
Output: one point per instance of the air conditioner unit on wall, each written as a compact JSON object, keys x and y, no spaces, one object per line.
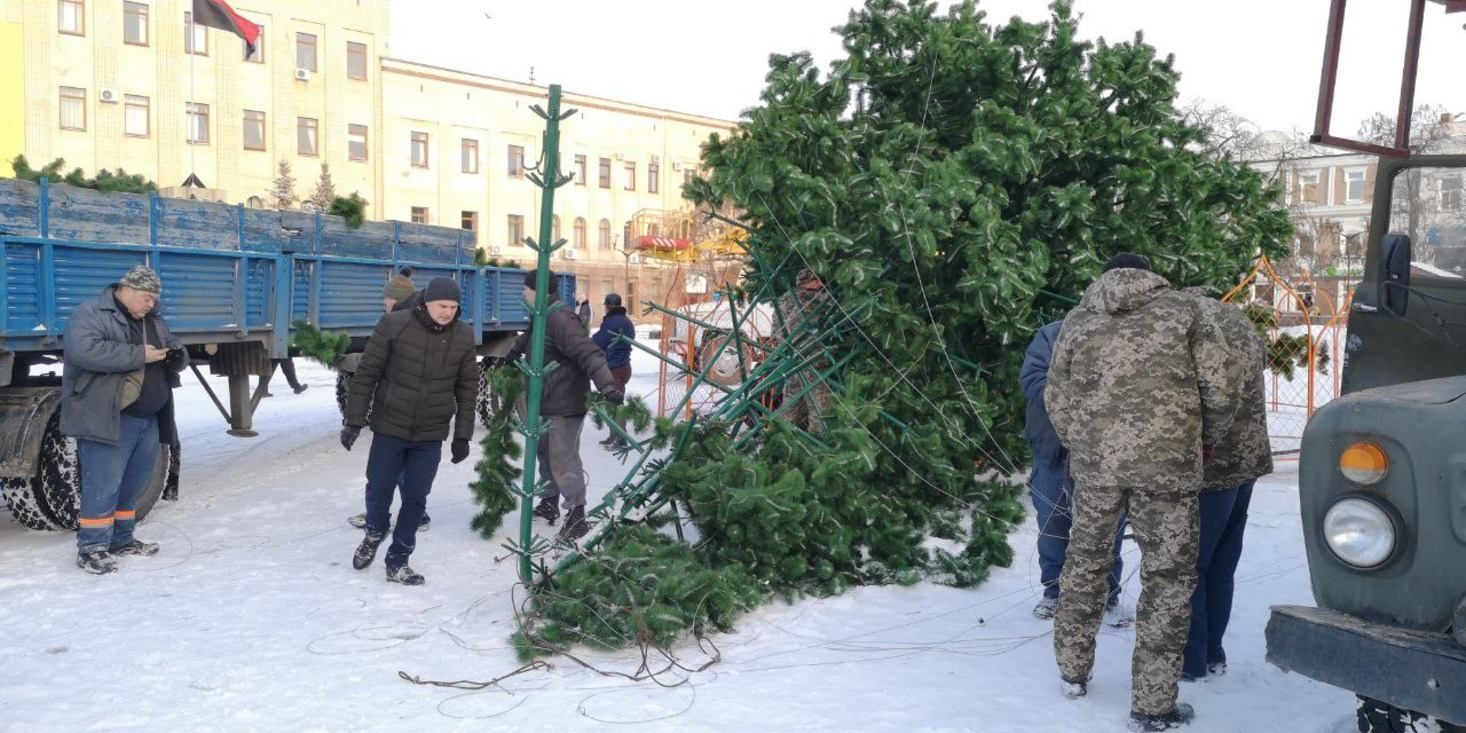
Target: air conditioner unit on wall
{"x":676,"y":165}
{"x":621,"y":156}
{"x":496,"y":251}
{"x":634,"y":259}
{"x":108,"y":95}
{"x":302,"y":74}
{"x":656,"y":159}
{"x":570,"y":253}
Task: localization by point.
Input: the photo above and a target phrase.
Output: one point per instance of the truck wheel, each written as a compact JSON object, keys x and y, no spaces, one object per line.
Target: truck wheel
{"x":20,"y":497}
{"x":728,"y":369}
{"x":343,"y":386}
{"x":1375,"y":716}
{"x":59,"y":479}
{"x":484,"y":404}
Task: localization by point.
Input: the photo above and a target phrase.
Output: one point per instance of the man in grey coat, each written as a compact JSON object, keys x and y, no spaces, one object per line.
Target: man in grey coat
{"x":121,"y":365}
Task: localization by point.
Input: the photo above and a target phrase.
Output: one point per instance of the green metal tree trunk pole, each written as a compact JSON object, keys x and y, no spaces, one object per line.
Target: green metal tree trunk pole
{"x":548,"y":179}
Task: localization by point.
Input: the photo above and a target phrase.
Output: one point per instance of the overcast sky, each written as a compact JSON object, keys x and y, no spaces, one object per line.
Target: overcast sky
{"x":1259,"y":57}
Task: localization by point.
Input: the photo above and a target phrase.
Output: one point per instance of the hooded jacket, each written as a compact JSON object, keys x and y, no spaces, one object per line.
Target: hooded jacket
{"x":1138,"y":383}
{"x":416,"y":376}
{"x":618,"y":352}
{"x":580,"y":362}
{"x":1243,"y":453}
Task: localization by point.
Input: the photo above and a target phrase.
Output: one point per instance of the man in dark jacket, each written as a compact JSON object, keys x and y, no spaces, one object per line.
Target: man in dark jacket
{"x":121,"y":365}
{"x":562,"y":406}
{"x":617,"y":350}
{"x":418,"y":373}
{"x":1051,"y":486}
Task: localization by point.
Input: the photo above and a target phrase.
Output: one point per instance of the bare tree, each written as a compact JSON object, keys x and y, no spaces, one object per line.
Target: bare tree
{"x":1417,"y":203}
{"x":1228,"y":134}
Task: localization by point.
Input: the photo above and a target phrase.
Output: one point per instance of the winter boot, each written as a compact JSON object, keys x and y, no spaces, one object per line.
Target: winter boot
{"x":136,"y":547}
{"x":1178,"y":717}
{"x":1074,"y":690}
{"x":548,"y":509}
{"x":1046,"y":608}
{"x":403,"y":574}
{"x":423,"y":525}
{"x":1216,"y":669}
{"x":96,"y":563}
{"x":357,"y":520}
{"x":366,"y":552}
{"x":1119,"y":616}
{"x":575,"y":526}
{"x":609,"y":441}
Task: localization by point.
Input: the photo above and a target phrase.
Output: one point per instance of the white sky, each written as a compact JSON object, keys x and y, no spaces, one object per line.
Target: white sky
{"x":1259,"y":57}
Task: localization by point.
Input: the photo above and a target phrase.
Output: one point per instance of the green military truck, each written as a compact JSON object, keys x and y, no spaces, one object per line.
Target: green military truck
{"x":1382,"y":480}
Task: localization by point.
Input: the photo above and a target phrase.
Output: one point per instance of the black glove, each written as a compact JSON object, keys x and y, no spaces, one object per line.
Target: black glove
{"x":348,"y":436}
{"x":460,"y":450}
{"x":175,"y":360}
{"x":614,"y":396}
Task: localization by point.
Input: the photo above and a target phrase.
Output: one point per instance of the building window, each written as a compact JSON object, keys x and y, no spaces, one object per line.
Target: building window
{"x":603,"y":236}
{"x":254,"y":130}
{"x":605,"y":172}
{"x":258,"y":55}
{"x":470,"y":156}
{"x":579,"y":232}
{"x":1308,"y":185}
{"x":73,"y":108}
{"x":137,"y":116}
{"x":195,"y":37}
{"x":356,"y":60}
{"x":305,"y":51}
{"x":1451,"y":193}
{"x":554,"y":228}
{"x":198,"y":123}
{"x":419,"y":215}
{"x":516,"y":230}
{"x":580,"y":170}
{"x":71,"y":17}
{"x":356,"y":141}
{"x":307,"y":136}
{"x":516,"y":161}
{"x":469,"y":222}
{"x":419,"y":150}
{"x":135,"y":24}
{"x":1354,"y":186}
{"x":630,"y":176}
{"x":653,"y":172}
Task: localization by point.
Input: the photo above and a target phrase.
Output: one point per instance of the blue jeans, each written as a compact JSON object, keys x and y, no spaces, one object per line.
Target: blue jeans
{"x":1223,"y":522}
{"x":113,"y":477}
{"x":409,"y":468}
{"x":1051,"y":489}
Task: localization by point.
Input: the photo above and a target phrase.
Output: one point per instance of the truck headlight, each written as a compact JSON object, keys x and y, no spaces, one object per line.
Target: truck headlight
{"x":1360,"y":532}
{"x":1364,"y":464}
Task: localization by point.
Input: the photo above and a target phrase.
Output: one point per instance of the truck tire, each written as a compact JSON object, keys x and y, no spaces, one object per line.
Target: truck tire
{"x":21,"y":499}
{"x":484,"y":403}
{"x":728,"y":369}
{"x":343,"y":386}
{"x":1375,"y":716}
{"x":56,"y":487}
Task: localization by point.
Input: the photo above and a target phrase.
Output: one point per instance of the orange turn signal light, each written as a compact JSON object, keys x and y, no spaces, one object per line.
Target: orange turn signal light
{"x":1364,"y":464}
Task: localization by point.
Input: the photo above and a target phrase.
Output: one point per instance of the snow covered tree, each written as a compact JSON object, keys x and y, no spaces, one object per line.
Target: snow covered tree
{"x":325,"y":193}
{"x":283,"y":194}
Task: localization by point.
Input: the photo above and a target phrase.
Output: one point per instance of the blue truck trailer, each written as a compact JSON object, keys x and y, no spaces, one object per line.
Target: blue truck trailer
{"x":235,"y":281}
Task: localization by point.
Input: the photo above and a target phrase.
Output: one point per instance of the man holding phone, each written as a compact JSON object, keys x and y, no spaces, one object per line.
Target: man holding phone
{"x":121,"y":365}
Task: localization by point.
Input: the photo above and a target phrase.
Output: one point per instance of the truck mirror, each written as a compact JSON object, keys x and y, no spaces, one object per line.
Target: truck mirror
{"x":1392,"y":276}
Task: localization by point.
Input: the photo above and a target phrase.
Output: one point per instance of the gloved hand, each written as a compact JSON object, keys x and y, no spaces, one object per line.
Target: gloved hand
{"x":176,"y":360}
{"x":1208,"y":452}
{"x":460,"y":450}
{"x":348,"y":436}
{"x":614,"y":396}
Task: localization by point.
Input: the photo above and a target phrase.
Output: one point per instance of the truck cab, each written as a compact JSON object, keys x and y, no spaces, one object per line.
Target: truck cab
{"x":1382,"y":476}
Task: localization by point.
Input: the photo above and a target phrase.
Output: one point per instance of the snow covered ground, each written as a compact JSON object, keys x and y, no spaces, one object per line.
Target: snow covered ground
{"x":251,"y":619}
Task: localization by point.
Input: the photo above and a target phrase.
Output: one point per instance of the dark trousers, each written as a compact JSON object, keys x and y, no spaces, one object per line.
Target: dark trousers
{"x":410,"y":468}
{"x":1052,"y":489}
{"x":1223,"y":522}
{"x":622,"y":375}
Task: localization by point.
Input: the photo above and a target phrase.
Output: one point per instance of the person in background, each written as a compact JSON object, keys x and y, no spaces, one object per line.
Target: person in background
{"x":617,"y":351}
{"x":419,"y":372}
{"x":1241,"y":456}
{"x":584,"y":313}
{"x":121,"y":366}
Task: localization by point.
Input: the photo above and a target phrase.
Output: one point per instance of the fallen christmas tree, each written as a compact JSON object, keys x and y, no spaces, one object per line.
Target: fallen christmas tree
{"x":953,"y":185}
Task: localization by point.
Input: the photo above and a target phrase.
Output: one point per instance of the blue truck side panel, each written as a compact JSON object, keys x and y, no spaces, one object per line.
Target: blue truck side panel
{"x":230,"y":274}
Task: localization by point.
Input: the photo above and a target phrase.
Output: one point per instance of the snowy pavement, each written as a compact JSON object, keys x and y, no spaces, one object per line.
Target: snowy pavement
{"x":251,"y":619}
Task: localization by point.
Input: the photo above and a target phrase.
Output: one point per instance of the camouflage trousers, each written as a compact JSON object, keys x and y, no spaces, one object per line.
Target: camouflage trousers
{"x":1165,"y":525}
{"x":806,"y":412}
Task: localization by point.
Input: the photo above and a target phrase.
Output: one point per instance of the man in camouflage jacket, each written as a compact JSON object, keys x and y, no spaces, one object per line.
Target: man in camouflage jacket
{"x":1137,"y":387}
{"x":1241,"y":456}
{"x":802,"y":311}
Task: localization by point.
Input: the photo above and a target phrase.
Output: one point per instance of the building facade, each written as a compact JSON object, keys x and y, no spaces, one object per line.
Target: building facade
{"x":133,"y":84}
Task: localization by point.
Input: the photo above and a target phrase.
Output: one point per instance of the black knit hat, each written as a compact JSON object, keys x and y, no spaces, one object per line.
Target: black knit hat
{"x":530,"y":276}
{"x":442,"y":288}
{"x":1127,"y":261}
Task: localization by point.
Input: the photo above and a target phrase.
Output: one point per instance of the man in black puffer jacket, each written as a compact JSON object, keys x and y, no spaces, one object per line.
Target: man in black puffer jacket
{"x":418,"y":373}
{"x":562,"y":405}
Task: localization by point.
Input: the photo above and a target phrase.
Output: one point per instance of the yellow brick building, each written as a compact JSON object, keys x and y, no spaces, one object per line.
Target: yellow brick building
{"x":131,"y":84}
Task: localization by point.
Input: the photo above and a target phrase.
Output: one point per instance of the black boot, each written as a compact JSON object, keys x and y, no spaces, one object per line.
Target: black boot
{"x":136,"y":547}
{"x":548,"y":509}
{"x":96,"y":563}
{"x":403,"y":574}
{"x":575,"y":526}
{"x":366,"y":552}
{"x":1181,"y":715}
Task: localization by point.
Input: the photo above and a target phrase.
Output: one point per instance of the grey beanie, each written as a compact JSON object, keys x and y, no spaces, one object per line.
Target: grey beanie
{"x":142,"y":277}
{"x":442,"y":288}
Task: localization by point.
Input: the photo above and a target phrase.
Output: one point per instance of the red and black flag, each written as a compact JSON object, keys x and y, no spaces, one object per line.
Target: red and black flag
{"x":218,"y":14}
